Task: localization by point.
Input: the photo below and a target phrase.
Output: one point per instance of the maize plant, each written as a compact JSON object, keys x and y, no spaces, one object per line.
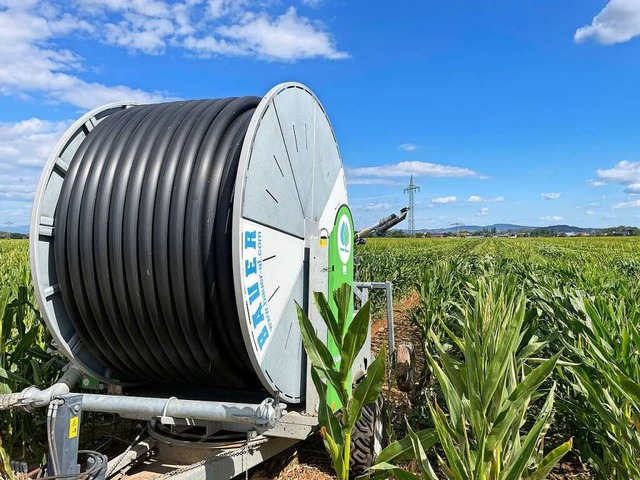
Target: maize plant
{"x":24,"y":360}
{"x":582,"y":299}
{"x":350,"y":336}
{"x":604,"y":383}
{"x":489,"y":383}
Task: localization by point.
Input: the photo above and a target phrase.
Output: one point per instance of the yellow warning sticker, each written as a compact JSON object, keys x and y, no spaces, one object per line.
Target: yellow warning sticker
{"x":73,"y":427}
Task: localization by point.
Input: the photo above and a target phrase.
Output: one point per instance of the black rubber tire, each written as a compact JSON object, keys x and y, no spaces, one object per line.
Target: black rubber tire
{"x":367,"y":438}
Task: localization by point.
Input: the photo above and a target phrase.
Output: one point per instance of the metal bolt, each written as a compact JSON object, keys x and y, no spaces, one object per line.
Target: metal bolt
{"x":76,"y":408}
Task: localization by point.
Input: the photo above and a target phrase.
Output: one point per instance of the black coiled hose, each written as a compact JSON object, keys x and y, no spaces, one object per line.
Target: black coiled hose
{"x":143,"y":243}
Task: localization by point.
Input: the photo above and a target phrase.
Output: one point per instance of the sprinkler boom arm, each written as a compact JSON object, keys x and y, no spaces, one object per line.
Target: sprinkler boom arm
{"x":383,"y":225}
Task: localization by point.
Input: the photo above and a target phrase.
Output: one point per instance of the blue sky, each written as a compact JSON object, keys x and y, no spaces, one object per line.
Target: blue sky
{"x":523,"y":112}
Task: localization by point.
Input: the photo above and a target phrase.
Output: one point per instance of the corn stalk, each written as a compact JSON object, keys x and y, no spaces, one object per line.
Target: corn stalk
{"x":326,"y":371}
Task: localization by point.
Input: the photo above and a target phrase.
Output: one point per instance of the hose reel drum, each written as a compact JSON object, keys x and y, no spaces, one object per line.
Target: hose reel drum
{"x":109,"y":227}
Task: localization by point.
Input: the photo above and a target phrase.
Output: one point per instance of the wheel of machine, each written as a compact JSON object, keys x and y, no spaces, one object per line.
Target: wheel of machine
{"x":367,"y":438}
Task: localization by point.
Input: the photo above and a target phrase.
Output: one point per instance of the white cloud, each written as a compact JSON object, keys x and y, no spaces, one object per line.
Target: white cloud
{"x":479,"y":199}
{"x":34,"y":62}
{"x":30,"y":62}
{"x":552,"y":218}
{"x":215,"y":27}
{"x":149,"y":8}
{"x":209,"y":45}
{"x":408,"y":147}
{"x":444,"y":200}
{"x":140,"y":33}
{"x":483,"y":211}
{"x":373,"y":207}
{"x":28,"y":143}
{"x":631,"y":204}
{"x":288,"y":37}
{"x":419,"y":169}
{"x":624,"y":172}
{"x":617,"y":22}
{"x":596,"y":183}
{"x":220,"y":8}
{"x":550,"y":196}
{"x":589,"y":212}
{"x":374,"y":181}
{"x":24,"y":148}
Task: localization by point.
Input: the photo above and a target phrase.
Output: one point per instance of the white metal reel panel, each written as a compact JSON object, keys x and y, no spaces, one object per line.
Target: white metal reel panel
{"x":290,"y":123}
{"x":327,"y":165}
{"x":272,"y":261}
{"x":297,"y":117}
{"x":286,"y":339}
{"x":270,"y":195}
{"x":337,"y":198}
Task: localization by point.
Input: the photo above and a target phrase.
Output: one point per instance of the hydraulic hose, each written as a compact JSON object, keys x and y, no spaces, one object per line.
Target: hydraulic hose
{"x":143,"y":243}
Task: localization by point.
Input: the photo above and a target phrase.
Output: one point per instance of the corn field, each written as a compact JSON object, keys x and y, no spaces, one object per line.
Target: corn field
{"x":531,"y":345}
{"x":24,"y":359}
{"x":574,"y":303}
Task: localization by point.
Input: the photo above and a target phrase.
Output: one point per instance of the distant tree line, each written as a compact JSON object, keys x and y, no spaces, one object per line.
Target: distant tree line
{"x":619,"y":231}
{"x":12,"y":236}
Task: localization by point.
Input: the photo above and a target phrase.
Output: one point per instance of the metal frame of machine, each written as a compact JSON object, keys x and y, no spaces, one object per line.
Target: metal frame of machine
{"x":269,"y":431}
{"x":314,"y":189}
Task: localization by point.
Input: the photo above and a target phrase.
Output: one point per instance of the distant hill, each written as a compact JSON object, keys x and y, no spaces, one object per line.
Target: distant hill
{"x":500,"y":227}
{"x":568,"y":228}
{"x":509,"y":227}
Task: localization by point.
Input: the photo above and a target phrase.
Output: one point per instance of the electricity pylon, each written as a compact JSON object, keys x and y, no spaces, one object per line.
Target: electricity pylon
{"x":411,"y":189}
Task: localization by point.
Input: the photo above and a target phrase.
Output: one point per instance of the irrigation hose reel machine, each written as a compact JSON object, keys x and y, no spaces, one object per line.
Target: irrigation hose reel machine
{"x":170,"y":244}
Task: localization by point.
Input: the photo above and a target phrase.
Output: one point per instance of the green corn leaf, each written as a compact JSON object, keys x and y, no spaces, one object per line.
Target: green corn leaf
{"x":319,"y":355}
{"x":385,"y":470}
{"x":630,"y":389}
{"x":5,"y":467}
{"x":399,"y":449}
{"x":453,"y":399}
{"x":25,"y":342}
{"x":5,"y":332}
{"x":35,"y":369}
{"x":343,"y":297}
{"x":420,"y":455}
{"x":523,"y":456}
{"x":334,"y":451}
{"x":450,"y":474}
{"x":507,"y":348}
{"x":517,"y":401}
{"x":17,"y":378}
{"x":326,"y":416}
{"x":550,"y":461}
{"x":455,"y":464}
{"x":355,"y":338}
{"x":474,"y":374}
{"x":368,"y":390}
{"x":452,"y":336}
{"x":595,"y":394}
{"x":329,"y":319}
{"x":449,"y":365}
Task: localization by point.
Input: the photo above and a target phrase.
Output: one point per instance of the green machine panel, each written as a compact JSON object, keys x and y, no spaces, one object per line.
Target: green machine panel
{"x":341,"y":246}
